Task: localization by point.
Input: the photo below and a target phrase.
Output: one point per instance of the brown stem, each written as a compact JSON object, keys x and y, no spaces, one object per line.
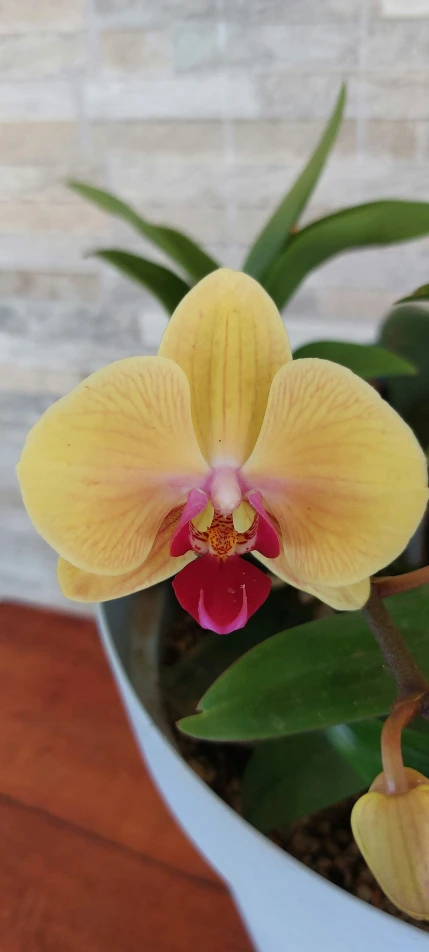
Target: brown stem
{"x":391,"y":584}
{"x":402,"y":713}
{"x":409,"y":678}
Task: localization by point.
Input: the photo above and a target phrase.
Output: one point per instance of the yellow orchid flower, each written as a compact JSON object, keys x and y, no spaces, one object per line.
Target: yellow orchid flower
{"x":220,"y":445}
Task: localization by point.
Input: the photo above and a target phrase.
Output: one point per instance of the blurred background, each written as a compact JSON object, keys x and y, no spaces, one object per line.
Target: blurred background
{"x":201,"y":113}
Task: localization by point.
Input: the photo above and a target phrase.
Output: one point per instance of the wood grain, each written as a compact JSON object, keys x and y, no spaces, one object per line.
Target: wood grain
{"x":90,"y":859}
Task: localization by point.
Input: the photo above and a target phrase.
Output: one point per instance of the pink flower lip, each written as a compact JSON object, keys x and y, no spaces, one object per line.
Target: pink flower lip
{"x":221,"y":594}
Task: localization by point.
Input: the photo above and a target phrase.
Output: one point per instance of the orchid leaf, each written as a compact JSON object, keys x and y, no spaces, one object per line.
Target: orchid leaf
{"x":314,"y":676}
{"x":406,"y":333}
{"x":164,"y":284}
{"x":182,"y":249}
{"x":362,"y":226}
{"x":366,"y":360}
{"x":288,"y":778}
{"x":421,"y":294}
{"x":275,"y":233}
{"x":359,"y":745}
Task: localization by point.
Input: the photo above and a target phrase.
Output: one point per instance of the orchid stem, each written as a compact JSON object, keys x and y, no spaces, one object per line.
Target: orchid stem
{"x":410,"y":680}
{"x":392,"y":584}
{"x":393,"y":766}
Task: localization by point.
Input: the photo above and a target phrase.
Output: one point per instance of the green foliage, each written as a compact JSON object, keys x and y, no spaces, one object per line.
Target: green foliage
{"x":292,"y":777}
{"x":281,"y":258}
{"x":376,"y":223}
{"x":175,"y":244}
{"x":359,"y":745}
{"x":406,"y":332}
{"x":319,"y":674}
{"x":164,"y":284}
{"x":420,"y":295}
{"x":365,"y":360}
{"x":275,"y":234}
{"x":299,"y":774}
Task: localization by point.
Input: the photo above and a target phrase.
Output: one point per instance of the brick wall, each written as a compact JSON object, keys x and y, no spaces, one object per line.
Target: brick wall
{"x":201,"y":112}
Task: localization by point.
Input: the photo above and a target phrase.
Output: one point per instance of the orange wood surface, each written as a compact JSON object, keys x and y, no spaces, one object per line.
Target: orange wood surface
{"x":90,"y":859}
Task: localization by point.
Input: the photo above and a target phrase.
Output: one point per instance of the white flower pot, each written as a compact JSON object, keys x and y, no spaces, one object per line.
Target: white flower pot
{"x":283,"y":904}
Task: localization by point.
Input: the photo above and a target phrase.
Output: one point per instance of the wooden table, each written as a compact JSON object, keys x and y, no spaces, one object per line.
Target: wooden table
{"x":90,"y":860}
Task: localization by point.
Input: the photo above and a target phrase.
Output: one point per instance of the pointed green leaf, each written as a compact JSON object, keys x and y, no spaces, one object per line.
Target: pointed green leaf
{"x":359,"y":745}
{"x":314,"y":676}
{"x":288,"y":778}
{"x":421,"y":294}
{"x":366,"y":360}
{"x":275,"y":234}
{"x":376,"y":223}
{"x":178,"y":246}
{"x":164,"y":284}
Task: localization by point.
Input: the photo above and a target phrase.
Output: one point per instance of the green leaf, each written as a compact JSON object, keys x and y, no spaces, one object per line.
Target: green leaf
{"x":288,"y":778}
{"x":174,"y":243}
{"x":366,"y":360}
{"x":421,"y":294}
{"x":406,"y":332}
{"x":164,"y":284}
{"x":376,"y":223}
{"x":359,"y":745}
{"x":275,"y":234}
{"x":184,"y":682}
{"x":314,"y":676}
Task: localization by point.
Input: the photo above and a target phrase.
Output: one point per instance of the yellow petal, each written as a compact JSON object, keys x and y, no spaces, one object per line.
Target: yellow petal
{"x":83,"y":586}
{"x":104,"y":465}
{"x":228,"y":337}
{"x":392,"y":832}
{"x":340,"y":471}
{"x":343,"y":598}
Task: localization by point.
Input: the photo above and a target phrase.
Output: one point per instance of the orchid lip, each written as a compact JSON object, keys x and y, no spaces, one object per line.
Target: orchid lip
{"x":221,"y":594}
{"x":205,"y":620}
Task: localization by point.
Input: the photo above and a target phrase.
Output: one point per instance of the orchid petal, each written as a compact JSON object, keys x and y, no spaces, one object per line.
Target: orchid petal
{"x":339,"y":470}
{"x":104,"y":465}
{"x":83,"y":586}
{"x":221,"y":594}
{"x":228,"y":337}
{"x":343,"y":598}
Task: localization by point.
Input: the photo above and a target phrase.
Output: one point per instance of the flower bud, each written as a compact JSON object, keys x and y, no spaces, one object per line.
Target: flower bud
{"x":392,"y":832}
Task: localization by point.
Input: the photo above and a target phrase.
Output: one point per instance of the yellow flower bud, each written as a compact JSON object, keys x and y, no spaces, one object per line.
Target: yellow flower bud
{"x":392,"y":832}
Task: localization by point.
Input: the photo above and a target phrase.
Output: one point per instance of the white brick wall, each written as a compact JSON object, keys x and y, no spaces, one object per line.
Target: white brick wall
{"x":201,"y":112}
